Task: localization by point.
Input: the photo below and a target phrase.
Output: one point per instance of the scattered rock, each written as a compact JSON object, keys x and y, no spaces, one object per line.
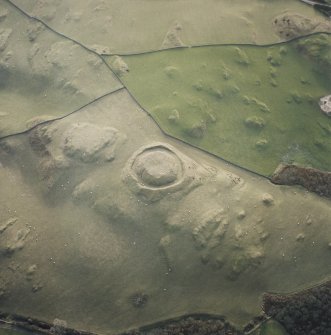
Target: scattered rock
{"x":115,"y":208}
{"x":33,"y":52}
{"x":273,"y":82}
{"x":73,"y":16}
{"x":251,"y":258}
{"x":59,"y":327}
{"x":119,"y":66}
{"x":211,"y":229}
{"x":18,"y":242}
{"x":36,"y":287}
{"x":13,"y":266}
{"x":255,"y":122}
{"x":39,"y":120}
{"x":174,"y":116}
{"x":50,"y":171}
{"x":85,"y":142}
{"x":273,"y":72}
{"x":325,"y":104}
{"x":39,"y":138}
{"x":314,"y":180}
{"x":300,"y":237}
{"x":274,"y":60}
{"x":242,"y":57}
{"x":197,"y":130}
{"x":254,"y":101}
{"x":241,"y":215}
{"x":227,"y":75}
{"x":31,"y":271}
{"x":34,"y":30}
{"x":309,"y":221}
{"x":264,"y":236}
{"x":139,"y":300}
{"x":267,"y":199}
{"x":4,"y":37}
{"x":171,"y":71}
{"x":7,"y":224}
{"x":85,"y":191}
{"x":61,"y":55}
{"x":261,"y":144}
{"x":210,"y":90}
{"x":172,"y":38}
{"x":3,"y":289}
{"x":45,"y":10}
{"x":233,"y":89}
{"x":296,"y":97}
{"x":164,"y":244}
{"x":3,"y":14}
{"x":198,"y":86}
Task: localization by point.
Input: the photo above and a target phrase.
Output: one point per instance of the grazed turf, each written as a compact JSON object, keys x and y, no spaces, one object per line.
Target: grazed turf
{"x":253,"y":106}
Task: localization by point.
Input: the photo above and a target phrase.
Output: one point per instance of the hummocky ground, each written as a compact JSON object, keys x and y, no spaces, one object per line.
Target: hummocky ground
{"x":106,"y":222}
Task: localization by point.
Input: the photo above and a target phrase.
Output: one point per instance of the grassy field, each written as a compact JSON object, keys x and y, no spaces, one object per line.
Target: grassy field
{"x":251,"y":105}
{"x":270,"y":328}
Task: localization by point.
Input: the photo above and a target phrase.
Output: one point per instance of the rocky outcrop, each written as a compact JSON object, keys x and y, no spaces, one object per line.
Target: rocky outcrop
{"x":325,"y":104}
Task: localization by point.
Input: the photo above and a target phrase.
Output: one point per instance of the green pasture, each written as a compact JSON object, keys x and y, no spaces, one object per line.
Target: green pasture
{"x":255,"y":106}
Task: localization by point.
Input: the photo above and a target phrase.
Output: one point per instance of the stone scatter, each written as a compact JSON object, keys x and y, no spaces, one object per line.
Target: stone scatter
{"x":7,"y":224}
{"x":172,"y":38}
{"x":4,"y":37}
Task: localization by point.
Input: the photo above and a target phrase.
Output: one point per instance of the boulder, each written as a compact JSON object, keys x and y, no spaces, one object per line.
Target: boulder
{"x":325,"y":104}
